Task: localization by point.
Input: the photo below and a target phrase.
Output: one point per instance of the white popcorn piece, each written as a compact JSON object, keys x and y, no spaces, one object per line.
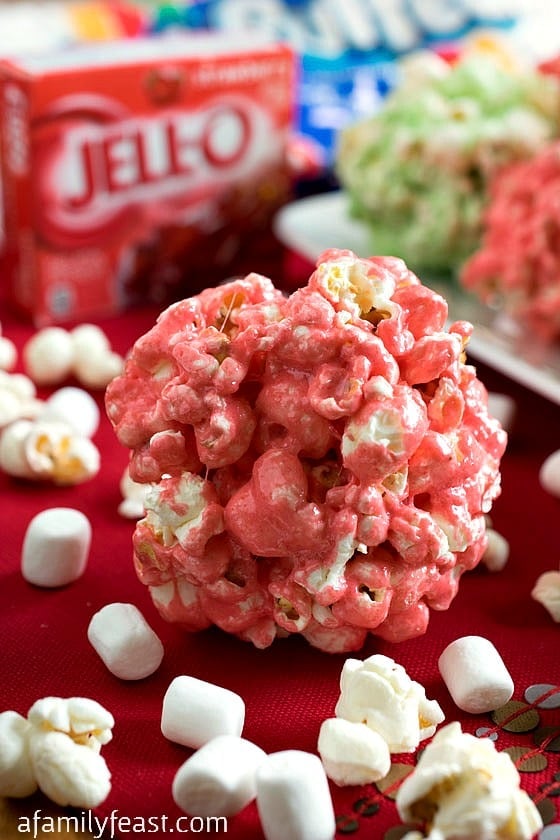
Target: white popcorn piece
{"x":549,"y":474}
{"x":18,"y":398}
{"x":133,"y":505}
{"x":97,"y":370}
{"x":84,"y":721}
{"x":547,"y":592}
{"x":503,"y":408}
{"x":17,"y":778}
{"x":13,"y":455}
{"x":65,"y":740}
{"x":88,"y":340}
{"x":293,"y":797}
{"x":56,"y":547}
{"x":95,"y":363}
{"x":55,"y":452}
{"x":48,"y":356}
{"x":475,"y":675}
{"x":496,"y":554}
{"x":178,"y":516}
{"x":8,"y":353}
{"x":76,"y":408}
{"x":125,"y":642}
{"x":352,"y":753}
{"x":218,"y":780}
{"x":463,"y":787}
{"x":378,"y":692}
{"x":58,"y":750}
{"x":67,"y":772}
{"x":195,"y":711}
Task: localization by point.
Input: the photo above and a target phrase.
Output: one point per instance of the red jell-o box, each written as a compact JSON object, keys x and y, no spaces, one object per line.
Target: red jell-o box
{"x":137,"y":169}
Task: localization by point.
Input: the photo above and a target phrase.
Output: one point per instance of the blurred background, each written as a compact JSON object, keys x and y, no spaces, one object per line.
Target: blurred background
{"x":123,"y":180}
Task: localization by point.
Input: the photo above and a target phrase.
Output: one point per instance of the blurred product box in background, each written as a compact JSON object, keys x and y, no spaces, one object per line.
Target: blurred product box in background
{"x":349,"y":50}
{"x":139,"y":169}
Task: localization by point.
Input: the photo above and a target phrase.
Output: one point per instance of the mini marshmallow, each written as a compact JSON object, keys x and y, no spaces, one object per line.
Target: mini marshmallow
{"x":75,"y":407}
{"x":195,"y":711}
{"x":475,"y":675}
{"x":16,"y":773}
{"x":497,"y":551}
{"x":352,"y":753}
{"x":549,"y":474}
{"x":48,"y":356}
{"x":218,"y":780}
{"x":56,"y":547}
{"x":124,"y":640}
{"x":293,"y":797}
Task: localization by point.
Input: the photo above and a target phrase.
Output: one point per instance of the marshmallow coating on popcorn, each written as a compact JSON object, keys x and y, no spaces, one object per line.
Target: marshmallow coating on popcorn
{"x":319,"y":464}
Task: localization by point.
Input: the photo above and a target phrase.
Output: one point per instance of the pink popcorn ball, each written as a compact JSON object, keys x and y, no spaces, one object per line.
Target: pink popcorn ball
{"x":319,"y":464}
{"x":518,"y":263}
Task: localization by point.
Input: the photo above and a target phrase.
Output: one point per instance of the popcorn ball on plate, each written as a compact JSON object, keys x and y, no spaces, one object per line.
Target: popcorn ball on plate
{"x":417,"y":171}
{"x":518,"y":264}
{"x":319,"y":464}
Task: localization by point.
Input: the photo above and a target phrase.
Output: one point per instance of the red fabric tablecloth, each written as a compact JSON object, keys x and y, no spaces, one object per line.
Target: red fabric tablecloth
{"x":289,"y":688}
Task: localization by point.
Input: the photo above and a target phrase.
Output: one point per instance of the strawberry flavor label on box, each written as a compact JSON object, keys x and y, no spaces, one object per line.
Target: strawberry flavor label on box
{"x":128,"y":175}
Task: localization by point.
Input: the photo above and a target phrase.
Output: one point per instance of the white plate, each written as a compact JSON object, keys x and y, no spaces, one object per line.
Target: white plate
{"x":312,"y":225}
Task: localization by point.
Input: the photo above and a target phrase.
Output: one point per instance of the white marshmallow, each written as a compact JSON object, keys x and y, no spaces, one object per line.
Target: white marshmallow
{"x":475,"y":675}
{"x":195,"y":711}
{"x":293,"y":797}
{"x":56,"y":547}
{"x":75,"y":407}
{"x":16,"y":773}
{"x":549,"y":474}
{"x":218,"y":780}
{"x":125,"y":641}
{"x":48,"y":356}
{"x":497,"y":551}
{"x":352,"y":753}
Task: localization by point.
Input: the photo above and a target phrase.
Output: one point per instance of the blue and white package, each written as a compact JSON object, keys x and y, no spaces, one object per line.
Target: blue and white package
{"x":350,"y":49}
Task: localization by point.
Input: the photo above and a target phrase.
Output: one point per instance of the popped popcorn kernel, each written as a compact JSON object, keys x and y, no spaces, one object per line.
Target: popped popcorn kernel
{"x":57,"y":749}
{"x":379,"y":693}
{"x":463,"y":787}
{"x":547,"y":592}
{"x":319,"y":463}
